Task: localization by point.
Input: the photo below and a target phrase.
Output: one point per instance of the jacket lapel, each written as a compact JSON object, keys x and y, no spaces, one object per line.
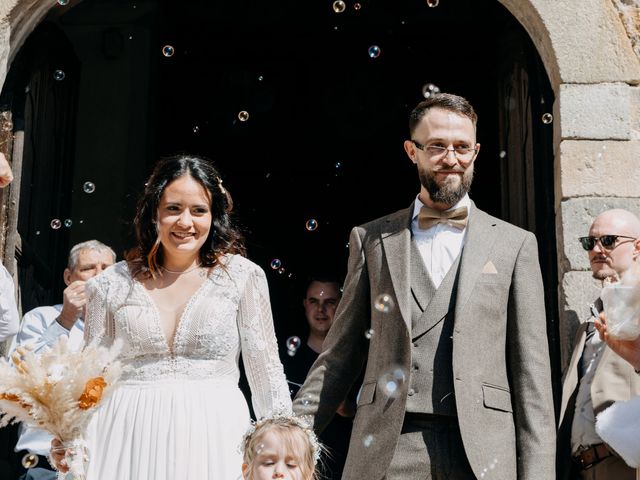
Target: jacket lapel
{"x":481,"y":236}
{"x":396,"y":238}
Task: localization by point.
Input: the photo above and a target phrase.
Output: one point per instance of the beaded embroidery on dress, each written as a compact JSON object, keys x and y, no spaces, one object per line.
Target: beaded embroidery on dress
{"x":179,"y":412}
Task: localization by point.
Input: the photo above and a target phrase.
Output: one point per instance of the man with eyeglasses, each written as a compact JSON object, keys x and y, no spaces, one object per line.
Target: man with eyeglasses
{"x":443,"y":306}
{"x":597,"y":376}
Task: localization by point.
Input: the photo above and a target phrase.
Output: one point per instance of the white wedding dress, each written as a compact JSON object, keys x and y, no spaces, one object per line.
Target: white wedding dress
{"x":178,"y":414}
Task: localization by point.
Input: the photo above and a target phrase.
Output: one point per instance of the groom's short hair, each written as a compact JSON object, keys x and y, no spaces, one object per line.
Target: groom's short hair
{"x":445,"y":101}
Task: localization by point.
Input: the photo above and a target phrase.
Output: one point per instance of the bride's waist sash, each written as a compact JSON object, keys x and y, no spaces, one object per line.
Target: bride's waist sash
{"x":164,"y":368}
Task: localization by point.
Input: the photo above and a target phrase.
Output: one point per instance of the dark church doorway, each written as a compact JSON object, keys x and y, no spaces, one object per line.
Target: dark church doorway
{"x":303,"y":108}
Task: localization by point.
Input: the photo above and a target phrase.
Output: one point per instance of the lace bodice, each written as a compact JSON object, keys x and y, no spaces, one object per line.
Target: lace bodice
{"x":228,"y":313}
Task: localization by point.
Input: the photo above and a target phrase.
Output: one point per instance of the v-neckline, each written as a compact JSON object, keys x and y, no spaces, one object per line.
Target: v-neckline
{"x":181,"y":318}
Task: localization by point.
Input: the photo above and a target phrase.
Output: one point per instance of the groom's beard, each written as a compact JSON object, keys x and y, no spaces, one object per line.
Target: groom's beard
{"x":451,"y":190}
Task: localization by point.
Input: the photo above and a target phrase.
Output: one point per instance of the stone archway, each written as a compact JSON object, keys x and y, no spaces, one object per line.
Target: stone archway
{"x":594,"y":71}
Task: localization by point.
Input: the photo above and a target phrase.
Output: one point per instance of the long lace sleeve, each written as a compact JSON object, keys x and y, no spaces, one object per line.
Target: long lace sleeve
{"x":98,"y":324}
{"x":264,"y":371}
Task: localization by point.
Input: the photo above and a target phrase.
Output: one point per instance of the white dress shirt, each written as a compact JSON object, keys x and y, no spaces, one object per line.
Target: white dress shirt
{"x":9,"y":318}
{"x":40,"y":330}
{"x":440,"y":244}
{"x":583,"y":430}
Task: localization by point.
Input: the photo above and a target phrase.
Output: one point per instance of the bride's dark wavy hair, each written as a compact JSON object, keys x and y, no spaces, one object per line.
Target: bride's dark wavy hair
{"x":146,"y":257}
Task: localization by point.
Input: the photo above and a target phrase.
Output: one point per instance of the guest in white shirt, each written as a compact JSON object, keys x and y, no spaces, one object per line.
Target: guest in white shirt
{"x":41,"y":328}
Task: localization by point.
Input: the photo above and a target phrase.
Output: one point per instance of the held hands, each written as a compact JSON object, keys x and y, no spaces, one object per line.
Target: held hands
{"x":6,"y":176}
{"x":627,"y":349}
{"x":56,"y":456}
{"x":73,"y":303}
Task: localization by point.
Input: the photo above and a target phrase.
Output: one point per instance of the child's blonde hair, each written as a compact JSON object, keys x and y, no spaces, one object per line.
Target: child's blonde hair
{"x":294,"y":432}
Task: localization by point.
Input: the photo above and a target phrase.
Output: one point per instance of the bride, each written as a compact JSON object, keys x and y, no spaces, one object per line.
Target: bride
{"x":185,"y":303}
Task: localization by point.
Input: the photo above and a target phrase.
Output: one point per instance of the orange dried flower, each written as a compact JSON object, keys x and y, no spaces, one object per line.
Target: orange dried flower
{"x":14,"y":398}
{"x":92,"y":393}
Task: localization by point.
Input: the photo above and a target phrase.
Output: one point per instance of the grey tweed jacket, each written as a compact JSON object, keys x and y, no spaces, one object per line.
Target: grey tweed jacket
{"x":500,"y":356}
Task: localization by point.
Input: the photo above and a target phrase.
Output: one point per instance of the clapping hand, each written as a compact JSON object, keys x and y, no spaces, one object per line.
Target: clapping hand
{"x":6,"y":176}
{"x":627,"y":349}
{"x":73,"y":303}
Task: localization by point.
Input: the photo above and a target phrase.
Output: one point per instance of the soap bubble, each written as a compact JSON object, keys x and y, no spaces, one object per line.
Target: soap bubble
{"x":293,"y":344}
{"x":547,"y":118}
{"x":56,"y":223}
{"x":306,"y":399}
{"x":338,"y":165}
{"x":384,"y":303}
{"x":243,"y":116}
{"x":368,"y":334}
{"x":357,"y":6}
{"x":63,"y":2}
{"x":339,"y":6}
{"x":374,"y":51}
{"x":429,"y":89}
{"x":368,"y":441}
{"x":503,"y":154}
{"x":59,"y":75}
{"x":196,"y":129}
{"x":168,"y":51}
{"x":311,"y":224}
{"x":30,"y":460}
{"x":392,"y":381}
{"x":281,"y":270}
{"x":68,"y":222}
{"x":89,"y":187}
{"x":433,"y":3}
{"x":276,"y":263}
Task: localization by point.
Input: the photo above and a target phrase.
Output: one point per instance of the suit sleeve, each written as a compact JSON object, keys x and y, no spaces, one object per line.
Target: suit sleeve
{"x":345,"y":349}
{"x":528,"y":357}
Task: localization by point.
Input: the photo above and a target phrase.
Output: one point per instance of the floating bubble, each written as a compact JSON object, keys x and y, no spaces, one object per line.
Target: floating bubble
{"x":59,"y":75}
{"x":368,"y":334}
{"x":168,"y":51}
{"x":429,"y":89}
{"x":306,"y":399}
{"x":68,"y":222}
{"x":196,"y":129}
{"x":63,"y":2}
{"x":81,"y":221}
{"x":260,"y":78}
{"x":339,"y":6}
{"x":384,"y":303}
{"x":433,"y":3}
{"x":547,"y":118}
{"x":346,"y":245}
{"x":338,"y":165}
{"x":259,"y":448}
{"x":374,"y":51}
{"x":357,"y":6}
{"x":311,"y":224}
{"x":281,"y":270}
{"x":89,"y":187}
{"x":391,"y":382}
{"x":276,"y":263}
{"x":293,"y":344}
{"x":243,"y":116}
{"x":56,"y":223}
{"x":368,"y":440}
{"x":30,"y":460}
{"x":37,"y":232}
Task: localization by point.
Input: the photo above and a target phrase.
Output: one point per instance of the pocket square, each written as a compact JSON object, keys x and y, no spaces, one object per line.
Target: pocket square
{"x":489,"y":267}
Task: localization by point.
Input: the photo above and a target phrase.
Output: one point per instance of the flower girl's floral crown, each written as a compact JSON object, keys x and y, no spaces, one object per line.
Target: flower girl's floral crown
{"x":285,"y":420}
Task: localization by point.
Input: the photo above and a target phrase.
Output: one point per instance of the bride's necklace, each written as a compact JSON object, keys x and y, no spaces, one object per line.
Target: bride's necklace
{"x":182,"y":272}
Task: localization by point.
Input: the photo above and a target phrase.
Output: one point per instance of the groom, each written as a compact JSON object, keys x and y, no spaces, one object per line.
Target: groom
{"x":457,"y":380}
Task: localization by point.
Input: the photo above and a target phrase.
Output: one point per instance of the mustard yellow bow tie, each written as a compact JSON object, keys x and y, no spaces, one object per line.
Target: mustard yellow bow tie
{"x":428,"y":217}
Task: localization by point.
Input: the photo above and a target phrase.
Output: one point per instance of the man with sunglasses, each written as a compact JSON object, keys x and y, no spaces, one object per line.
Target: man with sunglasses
{"x":443,"y":307}
{"x":597,"y":376}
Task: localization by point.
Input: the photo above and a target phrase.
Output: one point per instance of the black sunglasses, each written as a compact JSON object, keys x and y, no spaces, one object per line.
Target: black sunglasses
{"x":607,"y":241}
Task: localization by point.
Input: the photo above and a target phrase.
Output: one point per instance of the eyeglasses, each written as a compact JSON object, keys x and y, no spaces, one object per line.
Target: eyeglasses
{"x":607,"y":241}
{"x":437,"y":152}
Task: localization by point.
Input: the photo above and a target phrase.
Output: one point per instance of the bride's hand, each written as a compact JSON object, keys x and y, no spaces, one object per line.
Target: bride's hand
{"x":57,"y":456}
